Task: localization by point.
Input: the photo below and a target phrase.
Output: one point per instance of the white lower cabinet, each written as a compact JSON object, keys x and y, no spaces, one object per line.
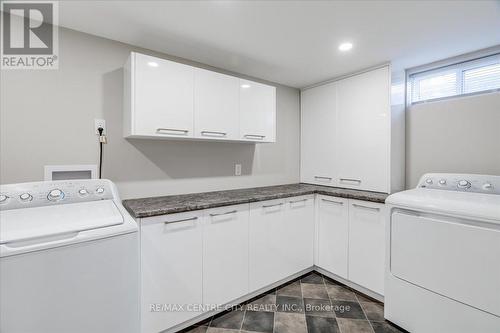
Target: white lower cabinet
{"x":332,"y":234}
{"x":225,"y":254}
{"x":367,"y":244}
{"x":171,"y":269}
{"x":267,"y":243}
{"x":299,"y":234}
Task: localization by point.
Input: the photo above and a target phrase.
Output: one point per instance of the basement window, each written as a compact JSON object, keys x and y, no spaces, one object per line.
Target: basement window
{"x":466,"y":78}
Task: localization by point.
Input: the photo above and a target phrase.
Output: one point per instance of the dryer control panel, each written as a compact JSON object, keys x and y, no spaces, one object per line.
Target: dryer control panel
{"x":36,"y":194}
{"x":461,"y":182}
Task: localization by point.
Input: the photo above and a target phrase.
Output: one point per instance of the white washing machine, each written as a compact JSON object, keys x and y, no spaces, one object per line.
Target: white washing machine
{"x":443,"y":255}
{"x":68,"y":259}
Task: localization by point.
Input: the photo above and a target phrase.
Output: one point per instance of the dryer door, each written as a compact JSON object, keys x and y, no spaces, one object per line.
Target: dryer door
{"x":459,"y":259}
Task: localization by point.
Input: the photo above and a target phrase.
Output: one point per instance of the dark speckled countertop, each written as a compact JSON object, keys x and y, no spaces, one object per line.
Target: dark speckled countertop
{"x":147,"y":207}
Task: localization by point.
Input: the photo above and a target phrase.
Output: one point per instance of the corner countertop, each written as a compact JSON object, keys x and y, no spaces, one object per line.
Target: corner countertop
{"x":154,"y":206}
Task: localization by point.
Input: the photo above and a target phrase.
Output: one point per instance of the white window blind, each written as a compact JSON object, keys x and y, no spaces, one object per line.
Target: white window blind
{"x":469,"y":77}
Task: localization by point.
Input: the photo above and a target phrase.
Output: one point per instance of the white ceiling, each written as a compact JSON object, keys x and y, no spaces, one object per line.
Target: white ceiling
{"x":293,"y":42}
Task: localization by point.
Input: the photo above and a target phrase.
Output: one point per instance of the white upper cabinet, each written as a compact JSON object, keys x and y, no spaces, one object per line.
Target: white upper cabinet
{"x":216,"y":105}
{"x":257,"y":111}
{"x":162,"y":97}
{"x":346,"y":133}
{"x":363,"y":125}
{"x":318,"y":153}
{"x":166,"y":99}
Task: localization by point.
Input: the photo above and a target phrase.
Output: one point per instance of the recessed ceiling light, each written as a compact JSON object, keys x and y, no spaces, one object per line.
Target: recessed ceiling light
{"x":153,"y":64}
{"x":345,"y":46}
{"x":245,"y":86}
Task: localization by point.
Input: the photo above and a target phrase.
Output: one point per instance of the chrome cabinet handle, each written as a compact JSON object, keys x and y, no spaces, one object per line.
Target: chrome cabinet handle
{"x":350,"y":180}
{"x":226,"y":213}
{"x":295,"y":201}
{"x":176,"y":131}
{"x":254,"y":136}
{"x":269,"y":206}
{"x":322,"y":177}
{"x":208,"y":133}
{"x":182,"y":220}
{"x":366,"y":207}
{"x":333,"y":201}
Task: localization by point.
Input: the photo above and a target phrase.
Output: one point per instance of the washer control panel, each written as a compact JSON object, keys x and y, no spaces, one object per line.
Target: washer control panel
{"x":461,"y":182}
{"x":36,"y":194}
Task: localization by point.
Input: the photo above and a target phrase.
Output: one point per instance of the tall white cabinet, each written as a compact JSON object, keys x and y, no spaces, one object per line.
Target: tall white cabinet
{"x":346,"y":133}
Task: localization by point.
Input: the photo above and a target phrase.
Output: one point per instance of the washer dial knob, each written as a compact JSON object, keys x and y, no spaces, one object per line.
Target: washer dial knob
{"x":463,"y":184}
{"x":99,"y":191}
{"x":55,"y":195}
{"x":442,"y":182}
{"x":26,"y":197}
{"x":428,"y":181}
{"x":3,"y":198}
{"x":83,"y":192}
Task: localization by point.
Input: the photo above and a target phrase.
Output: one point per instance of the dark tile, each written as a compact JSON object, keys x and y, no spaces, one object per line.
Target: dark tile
{"x":374,"y":311}
{"x":321,"y":325}
{"x":289,"y":304}
{"x":289,"y":323}
{"x":312,"y":277}
{"x":354,"y":326}
{"x":310,"y":290}
{"x":340,"y":293}
{"x":290,"y":289}
{"x":230,"y":319}
{"x":264,"y":303}
{"x":385,"y":327}
{"x":318,"y":307}
{"x":257,"y":321}
{"x":348,"y":309}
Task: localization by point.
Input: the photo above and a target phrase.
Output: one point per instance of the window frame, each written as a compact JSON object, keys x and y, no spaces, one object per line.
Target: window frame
{"x":459,"y":65}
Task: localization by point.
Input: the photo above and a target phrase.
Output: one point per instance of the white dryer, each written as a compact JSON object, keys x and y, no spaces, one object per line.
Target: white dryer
{"x":68,"y":259}
{"x":443,"y":255}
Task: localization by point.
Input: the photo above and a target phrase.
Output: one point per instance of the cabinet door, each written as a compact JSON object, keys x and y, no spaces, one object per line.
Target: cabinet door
{"x":171,"y":269}
{"x":257,"y":111}
{"x":299,"y":232}
{"x":225,"y":254}
{"x":367,"y":244}
{"x":163,"y":97}
{"x":333,"y":234}
{"x":267,"y":232}
{"x":363,"y":125}
{"x":318,"y":163}
{"x":216,"y":105}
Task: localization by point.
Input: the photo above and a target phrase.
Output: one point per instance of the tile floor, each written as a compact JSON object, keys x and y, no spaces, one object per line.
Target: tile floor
{"x":310,"y":304}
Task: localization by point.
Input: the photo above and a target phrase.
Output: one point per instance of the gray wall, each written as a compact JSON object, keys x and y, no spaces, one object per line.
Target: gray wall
{"x":456,"y":135}
{"x":47,"y":117}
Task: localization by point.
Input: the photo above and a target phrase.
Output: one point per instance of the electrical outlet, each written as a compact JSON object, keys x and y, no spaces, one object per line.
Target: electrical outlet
{"x":237,"y":169}
{"x":99,"y":123}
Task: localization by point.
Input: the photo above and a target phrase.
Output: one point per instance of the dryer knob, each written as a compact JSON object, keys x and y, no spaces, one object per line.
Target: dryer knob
{"x":463,"y":184}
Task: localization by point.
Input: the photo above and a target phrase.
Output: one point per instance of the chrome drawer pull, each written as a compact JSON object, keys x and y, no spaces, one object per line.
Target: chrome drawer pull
{"x":291,"y":201}
{"x":333,"y":201}
{"x":322,"y":177}
{"x":269,"y":206}
{"x":366,"y":207}
{"x":226,"y":213}
{"x":176,"y":131}
{"x":254,"y":136}
{"x":182,"y":220}
{"x":350,"y":180}
{"x":213,"y":133}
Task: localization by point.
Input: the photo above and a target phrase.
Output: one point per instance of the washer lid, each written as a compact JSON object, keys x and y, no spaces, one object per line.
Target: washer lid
{"x":462,"y":204}
{"x":41,"y":222}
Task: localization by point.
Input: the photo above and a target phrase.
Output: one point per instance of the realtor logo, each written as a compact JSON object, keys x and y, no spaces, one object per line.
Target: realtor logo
{"x":29,"y":35}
